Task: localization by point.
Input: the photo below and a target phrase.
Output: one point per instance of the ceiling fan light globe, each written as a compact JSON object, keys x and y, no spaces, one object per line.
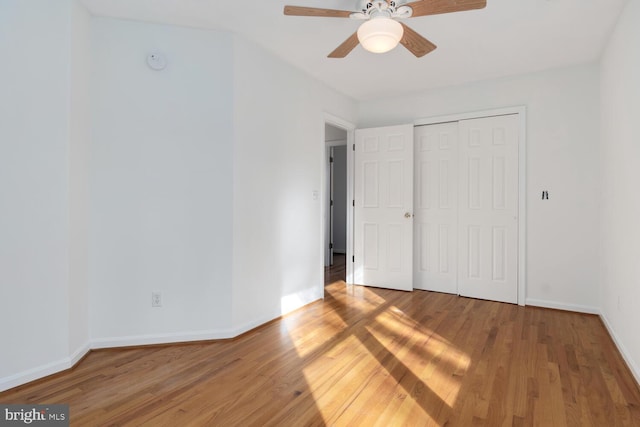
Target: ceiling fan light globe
{"x":379,"y":35}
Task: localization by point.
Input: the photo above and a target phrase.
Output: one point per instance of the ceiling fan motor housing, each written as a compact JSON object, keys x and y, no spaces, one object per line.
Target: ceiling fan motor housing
{"x":371,"y":8}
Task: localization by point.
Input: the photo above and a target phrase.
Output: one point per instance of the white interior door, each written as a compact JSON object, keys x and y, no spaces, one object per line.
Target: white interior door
{"x":383,"y":224}
{"x":331,"y":202}
{"x":436,"y":208}
{"x":488,"y":208}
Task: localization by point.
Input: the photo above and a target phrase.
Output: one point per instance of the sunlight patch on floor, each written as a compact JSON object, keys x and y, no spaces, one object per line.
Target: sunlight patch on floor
{"x":391,"y":364}
{"x":362,"y":295}
{"x":423,"y":348}
{"x":310,"y":338}
{"x":333,"y":394}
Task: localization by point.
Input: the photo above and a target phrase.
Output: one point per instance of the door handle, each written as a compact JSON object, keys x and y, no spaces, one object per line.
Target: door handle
{"x":407,"y":215}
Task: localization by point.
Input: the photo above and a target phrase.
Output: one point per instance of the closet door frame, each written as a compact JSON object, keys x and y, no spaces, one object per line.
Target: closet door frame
{"x":522,"y":177}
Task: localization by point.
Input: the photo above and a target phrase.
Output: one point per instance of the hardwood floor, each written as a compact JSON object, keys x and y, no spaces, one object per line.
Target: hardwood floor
{"x":337,"y":271}
{"x":367,"y":357}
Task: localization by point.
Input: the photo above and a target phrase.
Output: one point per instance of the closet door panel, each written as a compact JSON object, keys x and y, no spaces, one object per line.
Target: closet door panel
{"x":436,"y":202}
{"x":488,"y":208}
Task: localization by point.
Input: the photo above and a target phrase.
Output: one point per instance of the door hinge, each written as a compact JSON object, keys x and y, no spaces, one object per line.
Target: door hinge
{"x":330,"y":245}
{"x":353,"y":203}
{"x":330,"y":159}
{"x":354,"y":147}
{"x":331,"y":203}
{"x":353,"y":259}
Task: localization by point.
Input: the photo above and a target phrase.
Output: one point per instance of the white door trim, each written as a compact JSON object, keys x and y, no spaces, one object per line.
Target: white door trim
{"x":522,"y":178}
{"x":338,"y":122}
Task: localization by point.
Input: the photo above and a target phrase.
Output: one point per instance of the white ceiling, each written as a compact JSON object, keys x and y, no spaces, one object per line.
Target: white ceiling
{"x":508,"y":37}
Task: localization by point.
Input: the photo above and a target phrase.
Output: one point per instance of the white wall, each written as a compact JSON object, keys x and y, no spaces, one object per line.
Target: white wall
{"x":278,"y":156}
{"x":332,"y":133}
{"x":620,"y":152}
{"x":562,"y":158}
{"x":41,"y":213}
{"x":202,"y":180}
{"x":79,"y":139}
{"x":161,"y":191}
{"x":117,"y":181}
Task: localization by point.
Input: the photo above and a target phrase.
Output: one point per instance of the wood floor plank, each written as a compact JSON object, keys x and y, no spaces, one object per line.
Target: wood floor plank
{"x":364,"y":356}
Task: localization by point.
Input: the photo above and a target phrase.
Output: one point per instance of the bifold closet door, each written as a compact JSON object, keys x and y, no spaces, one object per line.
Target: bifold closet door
{"x":488,"y":208}
{"x":436,"y":208}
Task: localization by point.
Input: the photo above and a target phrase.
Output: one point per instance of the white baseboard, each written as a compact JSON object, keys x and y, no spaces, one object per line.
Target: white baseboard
{"x":79,"y":354}
{"x":44,"y":370}
{"x":38,"y":372}
{"x":219,"y":334}
{"x":562,"y":306}
{"x":290,"y":303}
{"x":622,"y":349}
{"x":247,"y":326}
{"x":170,"y":338}
{"x":633,"y":367}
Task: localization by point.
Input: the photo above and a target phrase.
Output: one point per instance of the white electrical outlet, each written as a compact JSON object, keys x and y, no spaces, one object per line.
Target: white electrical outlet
{"x":156,"y":299}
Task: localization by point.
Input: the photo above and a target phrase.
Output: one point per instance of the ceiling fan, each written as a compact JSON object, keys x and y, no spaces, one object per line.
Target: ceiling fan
{"x":381,"y":30}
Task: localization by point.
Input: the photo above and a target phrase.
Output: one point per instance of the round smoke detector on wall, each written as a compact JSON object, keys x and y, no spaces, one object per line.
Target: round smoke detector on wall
{"x":156,"y":61}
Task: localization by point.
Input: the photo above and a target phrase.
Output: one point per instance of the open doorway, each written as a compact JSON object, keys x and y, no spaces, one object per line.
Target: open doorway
{"x":336,"y":211}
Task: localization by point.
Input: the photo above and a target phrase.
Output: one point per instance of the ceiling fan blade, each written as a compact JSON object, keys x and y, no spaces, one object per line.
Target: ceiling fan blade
{"x":415,"y":43}
{"x":347,"y":46}
{"x":312,"y":11}
{"x":435,"y":7}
